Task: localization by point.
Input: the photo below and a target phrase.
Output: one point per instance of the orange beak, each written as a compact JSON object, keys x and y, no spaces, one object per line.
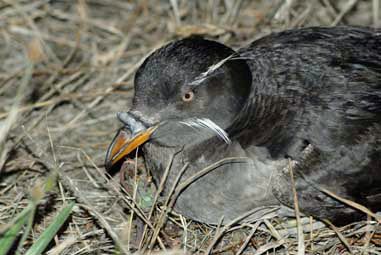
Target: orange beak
{"x":122,"y":145}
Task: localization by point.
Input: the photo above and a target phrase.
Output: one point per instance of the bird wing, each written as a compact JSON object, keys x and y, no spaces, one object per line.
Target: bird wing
{"x":319,"y":86}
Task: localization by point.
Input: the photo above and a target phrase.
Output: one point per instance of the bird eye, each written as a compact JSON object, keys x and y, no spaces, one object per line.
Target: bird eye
{"x":188,"y":96}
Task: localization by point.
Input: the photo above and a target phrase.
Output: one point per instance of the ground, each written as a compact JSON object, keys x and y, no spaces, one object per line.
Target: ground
{"x":67,"y":67}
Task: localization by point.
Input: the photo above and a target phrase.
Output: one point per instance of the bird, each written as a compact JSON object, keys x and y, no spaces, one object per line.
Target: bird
{"x":296,"y":113}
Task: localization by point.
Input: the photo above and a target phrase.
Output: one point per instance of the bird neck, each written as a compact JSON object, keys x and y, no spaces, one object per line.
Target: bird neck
{"x":262,"y":121}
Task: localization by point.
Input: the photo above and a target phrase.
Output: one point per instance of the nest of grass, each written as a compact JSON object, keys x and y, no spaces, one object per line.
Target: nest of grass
{"x":67,"y":68}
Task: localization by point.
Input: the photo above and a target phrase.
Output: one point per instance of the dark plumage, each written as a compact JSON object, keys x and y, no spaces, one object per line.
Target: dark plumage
{"x":311,"y":95}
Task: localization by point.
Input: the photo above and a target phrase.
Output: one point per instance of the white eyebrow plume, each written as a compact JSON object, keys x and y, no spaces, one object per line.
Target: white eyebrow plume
{"x":209,"y":125}
{"x":199,"y":79}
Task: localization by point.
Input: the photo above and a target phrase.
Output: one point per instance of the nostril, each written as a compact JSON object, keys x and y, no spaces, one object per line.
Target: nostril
{"x":147,"y":118}
{"x":134,"y":124}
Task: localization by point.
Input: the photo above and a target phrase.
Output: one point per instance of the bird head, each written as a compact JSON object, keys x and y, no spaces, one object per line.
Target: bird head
{"x":187,"y":85}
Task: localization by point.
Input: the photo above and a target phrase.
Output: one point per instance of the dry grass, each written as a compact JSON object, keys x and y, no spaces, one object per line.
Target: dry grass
{"x":67,"y":68}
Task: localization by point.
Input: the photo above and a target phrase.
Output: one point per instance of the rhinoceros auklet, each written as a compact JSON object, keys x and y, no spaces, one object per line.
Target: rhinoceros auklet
{"x":309,"y":96}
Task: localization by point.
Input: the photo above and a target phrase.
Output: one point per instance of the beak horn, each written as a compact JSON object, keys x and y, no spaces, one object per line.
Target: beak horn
{"x":123,"y":144}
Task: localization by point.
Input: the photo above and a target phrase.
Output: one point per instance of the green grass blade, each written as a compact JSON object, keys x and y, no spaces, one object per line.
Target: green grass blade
{"x":47,"y":236}
{"x":10,"y":235}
